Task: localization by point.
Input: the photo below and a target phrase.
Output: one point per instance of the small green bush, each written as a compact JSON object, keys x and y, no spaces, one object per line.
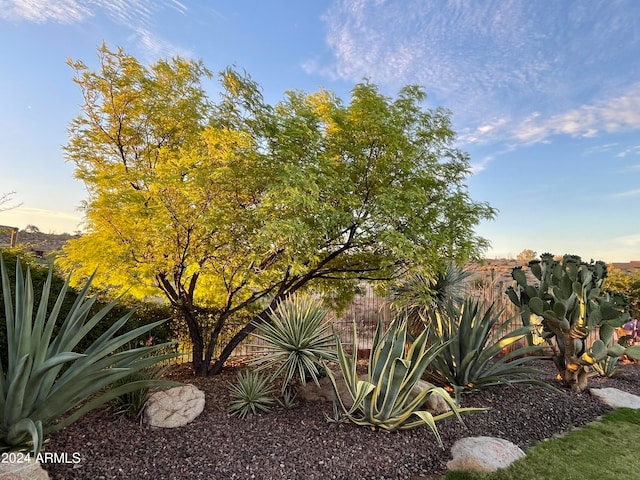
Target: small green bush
{"x":131,"y":404}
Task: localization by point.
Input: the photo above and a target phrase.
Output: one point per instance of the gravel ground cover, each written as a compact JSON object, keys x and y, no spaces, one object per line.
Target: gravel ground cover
{"x":300,"y":443}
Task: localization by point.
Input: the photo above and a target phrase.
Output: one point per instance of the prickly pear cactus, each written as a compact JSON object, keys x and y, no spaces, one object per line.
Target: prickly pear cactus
{"x":569,"y":299}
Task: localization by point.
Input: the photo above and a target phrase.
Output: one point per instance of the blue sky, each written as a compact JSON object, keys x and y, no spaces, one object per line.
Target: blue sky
{"x":544,"y":95}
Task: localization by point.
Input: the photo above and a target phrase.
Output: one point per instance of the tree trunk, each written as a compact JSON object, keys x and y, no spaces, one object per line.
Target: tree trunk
{"x":237,"y":339}
{"x":199,"y":361}
{"x":576,"y":378}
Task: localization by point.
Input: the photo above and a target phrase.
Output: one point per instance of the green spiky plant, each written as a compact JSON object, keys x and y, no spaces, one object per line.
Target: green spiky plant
{"x":251,"y":393}
{"x":570,"y":299}
{"x":387,"y":398}
{"x":475,"y":341}
{"x":46,"y":385}
{"x":297,"y":339}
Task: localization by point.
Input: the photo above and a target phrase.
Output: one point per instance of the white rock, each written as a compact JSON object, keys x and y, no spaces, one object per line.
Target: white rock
{"x":174,"y":407}
{"x":483,"y":454}
{"x":616,"y":398}
{"x":31,"y":470}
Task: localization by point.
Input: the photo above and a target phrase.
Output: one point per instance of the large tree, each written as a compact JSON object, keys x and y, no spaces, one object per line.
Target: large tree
{"x":228,"y":207}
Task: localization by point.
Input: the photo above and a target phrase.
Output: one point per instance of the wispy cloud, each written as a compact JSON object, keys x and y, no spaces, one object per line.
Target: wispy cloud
{"x":477,"y":167}
{"x":137,"y":15}
{"x":62,"y":11}
{"x":627,"y":194}
{"x":511,"y":69}
{"x":630,"y":151}
{"x":615,"y":114}
{"x":632,"y":240}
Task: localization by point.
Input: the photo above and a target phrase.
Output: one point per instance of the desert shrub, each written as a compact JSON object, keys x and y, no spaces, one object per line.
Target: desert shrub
{"x":418,"y":292}
{"x":297,"y":339}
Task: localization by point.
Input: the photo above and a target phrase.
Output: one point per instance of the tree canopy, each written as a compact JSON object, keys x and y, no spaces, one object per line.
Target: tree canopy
{"x":227,"y":207}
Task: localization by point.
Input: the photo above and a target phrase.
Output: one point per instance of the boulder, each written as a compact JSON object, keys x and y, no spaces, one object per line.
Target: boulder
{"x":31,"y":470}
{"x":434,"y":403}
{"x":174,"y":407}
{"x":616,"y":398}
{"x":324,"y":393}
{"x":483,"y":454}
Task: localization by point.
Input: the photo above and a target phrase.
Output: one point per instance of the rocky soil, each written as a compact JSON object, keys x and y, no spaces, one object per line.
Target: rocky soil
{"x":300,"y":443}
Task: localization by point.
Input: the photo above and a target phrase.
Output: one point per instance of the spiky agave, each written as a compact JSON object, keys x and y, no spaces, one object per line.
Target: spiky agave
{"x":386,"y":400}
{"x":47,"y":385}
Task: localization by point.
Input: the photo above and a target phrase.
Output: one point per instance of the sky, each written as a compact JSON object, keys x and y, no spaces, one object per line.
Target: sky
{"x":544,"y":95}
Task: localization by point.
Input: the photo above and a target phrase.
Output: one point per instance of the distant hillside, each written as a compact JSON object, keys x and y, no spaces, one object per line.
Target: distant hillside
{"x":495,"y":270}
{"x":39,"y":243}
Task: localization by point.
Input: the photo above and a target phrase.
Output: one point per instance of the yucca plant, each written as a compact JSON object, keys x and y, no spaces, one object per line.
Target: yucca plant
{"x":297,"y":339}
{"x":46,"y":384}
{"x":474,"y":352}
{"x":387,"y":399}
{"x":417,"y":293}
{"x":252,"y":392}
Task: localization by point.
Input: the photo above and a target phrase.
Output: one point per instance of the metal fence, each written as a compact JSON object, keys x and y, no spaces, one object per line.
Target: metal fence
{"x":368,"y":307}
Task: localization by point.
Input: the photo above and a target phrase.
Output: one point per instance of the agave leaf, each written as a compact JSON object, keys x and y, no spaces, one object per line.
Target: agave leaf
{"x":26,"y":428}
{"x":3,"y":392}
{"x":427,"y":418}
{"x":77,"y":313}
{"x":52,"y":320}
{"x":419,"y":367}
{"x":380,"y":350}
{"x":38,"y":372}
{"x":382,"y":402}
{"x":24,"y":311}
{"x":33,"y":396}
{"x":106,"y":397}
{"x":16,"y":391}
{"x":362,"y":390}
{"x":39,"y":324}
{"x":392,"y":386}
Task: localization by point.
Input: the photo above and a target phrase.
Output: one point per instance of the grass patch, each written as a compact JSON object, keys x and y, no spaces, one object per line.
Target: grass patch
{"x":602,"y":449}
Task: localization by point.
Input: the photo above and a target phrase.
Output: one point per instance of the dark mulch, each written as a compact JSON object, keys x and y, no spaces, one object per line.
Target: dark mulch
{"x":300,"y":443}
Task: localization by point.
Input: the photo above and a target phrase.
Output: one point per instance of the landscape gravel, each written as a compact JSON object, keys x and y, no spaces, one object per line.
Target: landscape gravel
{"x":300,"y":444}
